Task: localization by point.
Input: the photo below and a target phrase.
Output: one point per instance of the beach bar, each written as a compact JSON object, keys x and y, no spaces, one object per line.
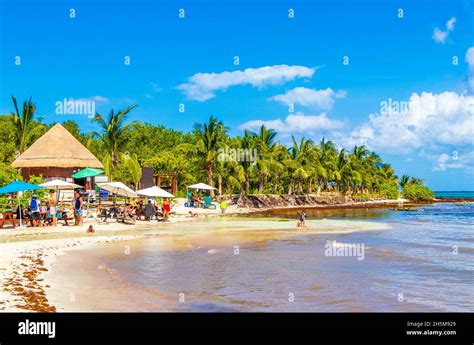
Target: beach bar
{"x":55,"y":155}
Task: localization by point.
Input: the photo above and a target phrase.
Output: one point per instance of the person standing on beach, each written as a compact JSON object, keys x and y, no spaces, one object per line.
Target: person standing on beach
{"x":223,"y":206}
{"x":34,"y":205}
{"x":166,"y":209}
{"x":78,"y":212}
{"x":52,"y":207}
{"x":301,"y":221}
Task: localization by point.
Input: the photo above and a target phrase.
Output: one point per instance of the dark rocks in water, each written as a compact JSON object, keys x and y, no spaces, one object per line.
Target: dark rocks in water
{"x":272,"y":200}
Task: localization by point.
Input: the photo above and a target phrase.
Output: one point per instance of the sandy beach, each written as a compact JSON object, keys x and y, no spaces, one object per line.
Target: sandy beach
{"x":28,"y":254}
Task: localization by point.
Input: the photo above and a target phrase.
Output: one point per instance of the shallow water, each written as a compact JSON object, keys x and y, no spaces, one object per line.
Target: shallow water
{"x":409,"y":263}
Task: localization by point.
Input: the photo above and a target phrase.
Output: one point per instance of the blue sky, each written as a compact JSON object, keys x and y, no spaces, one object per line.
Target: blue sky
{"x":393,"y":57}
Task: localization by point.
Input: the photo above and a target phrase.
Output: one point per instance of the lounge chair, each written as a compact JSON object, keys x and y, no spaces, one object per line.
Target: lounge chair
{"x":208,"y":203}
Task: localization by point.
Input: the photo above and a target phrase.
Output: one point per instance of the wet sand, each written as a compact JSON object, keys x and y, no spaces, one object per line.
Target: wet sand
{"x":64,"y":271}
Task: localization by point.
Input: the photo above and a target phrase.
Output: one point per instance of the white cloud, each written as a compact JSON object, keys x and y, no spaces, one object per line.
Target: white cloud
{"x":311,"y":98}
{"x":433,"y":120}
{"x":203,"y":86}
{"x":439,"y":35}
{"x":444,"y":161}
{"x":295,"y":123}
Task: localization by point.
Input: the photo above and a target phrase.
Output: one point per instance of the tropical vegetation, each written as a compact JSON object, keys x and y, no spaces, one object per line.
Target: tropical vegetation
{"x":254,"y":162}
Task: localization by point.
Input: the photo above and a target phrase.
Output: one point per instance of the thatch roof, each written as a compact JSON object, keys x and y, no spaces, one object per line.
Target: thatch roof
{"x":59,"y":149}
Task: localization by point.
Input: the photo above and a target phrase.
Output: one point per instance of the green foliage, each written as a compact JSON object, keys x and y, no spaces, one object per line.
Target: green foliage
{"x":389,"y":190}
{"x":367,"y":196}
{"x":41,"y":194}
{"x":8,"y":174}
{"x":417,"y":192}
{"x":114,"y":135}
{"x":124,"y":147}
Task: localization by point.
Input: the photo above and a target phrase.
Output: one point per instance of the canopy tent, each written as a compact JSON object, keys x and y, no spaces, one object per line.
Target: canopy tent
{"x":88,"y":172}
{"x":16,"y":187}
{"x":201,"y":186}
{"x":118,"y":188}
{"x":60,"y":184}
{"x":155,"y":192}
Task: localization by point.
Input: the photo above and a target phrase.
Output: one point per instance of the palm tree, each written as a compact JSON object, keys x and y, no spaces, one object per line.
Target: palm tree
{"x":265,"y":144}
{"x":295,"y":164}
{"x":404,"y":180}
{"x":23,"y":122}
{"x":210,"y":136}
{"x":265,"y":139}
{"x":328,"y":158}
{"x":418,"y":181}
{"x":247,"y":143}
{"x":134,"y":169}
{"x":114,"y":135}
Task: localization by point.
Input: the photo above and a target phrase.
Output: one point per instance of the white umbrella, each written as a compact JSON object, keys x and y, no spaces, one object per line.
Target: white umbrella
{"x":60,"y":184}
{"x":155,"y":192}
{"x":202,"y":186}
{"x":118,"y":188}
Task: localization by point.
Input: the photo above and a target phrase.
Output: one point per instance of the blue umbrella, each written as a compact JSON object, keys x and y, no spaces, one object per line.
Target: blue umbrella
{"x":18,"y":186}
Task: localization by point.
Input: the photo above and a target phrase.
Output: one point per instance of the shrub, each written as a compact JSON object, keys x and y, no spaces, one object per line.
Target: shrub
{"x":389,"y":190}
{"x":416,"y":192}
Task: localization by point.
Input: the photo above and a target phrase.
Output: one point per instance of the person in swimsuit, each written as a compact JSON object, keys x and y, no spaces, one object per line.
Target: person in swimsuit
{"x":166,"y":209}
{"x":301,"y":221}
{"x":78,"y":211}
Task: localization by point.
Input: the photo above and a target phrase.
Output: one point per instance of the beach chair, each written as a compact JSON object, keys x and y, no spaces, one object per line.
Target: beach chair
{"x":208,"y":203}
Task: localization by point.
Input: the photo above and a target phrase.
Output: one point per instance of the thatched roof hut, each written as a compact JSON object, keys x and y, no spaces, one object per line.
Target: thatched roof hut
{"x":56,"y":154}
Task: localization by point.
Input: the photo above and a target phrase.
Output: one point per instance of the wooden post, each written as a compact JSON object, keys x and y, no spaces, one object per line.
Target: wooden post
{"x":174,"y":186}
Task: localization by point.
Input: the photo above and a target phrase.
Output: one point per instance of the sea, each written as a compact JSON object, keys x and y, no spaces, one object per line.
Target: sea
{"x":455,"y":195}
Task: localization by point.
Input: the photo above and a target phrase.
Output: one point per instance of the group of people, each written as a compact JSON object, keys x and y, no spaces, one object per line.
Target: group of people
{"x":133,"y":212}
{"x":38,"y":214}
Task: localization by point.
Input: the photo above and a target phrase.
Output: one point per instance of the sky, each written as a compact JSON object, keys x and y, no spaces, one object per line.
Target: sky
{"x":396,"y":76}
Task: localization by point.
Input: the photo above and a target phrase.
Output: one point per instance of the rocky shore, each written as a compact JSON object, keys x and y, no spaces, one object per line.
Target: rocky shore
{"x":328,"y":200}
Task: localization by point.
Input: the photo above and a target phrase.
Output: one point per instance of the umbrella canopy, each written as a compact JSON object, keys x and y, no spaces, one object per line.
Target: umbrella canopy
{"x":18,"y":186}
{"x":155,"y":192}
{"x":202,"y":186}
{"x":60,"y":184}
{"x":118,"y":188}
{"x":88,"y":172}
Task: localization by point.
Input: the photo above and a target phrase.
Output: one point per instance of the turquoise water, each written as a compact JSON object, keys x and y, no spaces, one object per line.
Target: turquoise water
{"x":423,"y":260}
{"x":455,"y":195}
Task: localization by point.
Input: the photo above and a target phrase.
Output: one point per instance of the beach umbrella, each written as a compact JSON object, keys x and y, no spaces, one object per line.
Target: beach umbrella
{"x":155,"y":192}
{"x":201,"y":186}
{"x":60,"y":184}
{"x":88,"y":172}
{"x":118,"y":188}
{"x":16,"y":187}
